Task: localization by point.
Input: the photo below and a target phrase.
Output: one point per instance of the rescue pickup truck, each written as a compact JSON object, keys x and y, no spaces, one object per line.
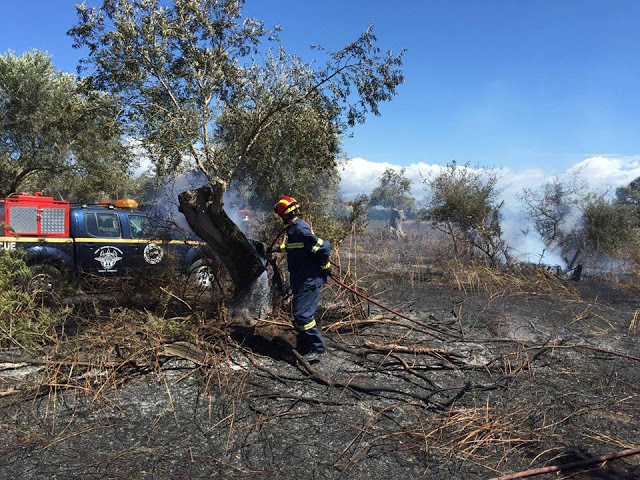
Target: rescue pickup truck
{"x":61,"y":240}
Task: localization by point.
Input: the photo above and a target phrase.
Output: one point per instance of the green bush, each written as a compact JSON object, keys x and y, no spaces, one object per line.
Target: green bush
{"x":24,"y":320}
{"x":611,"y":228}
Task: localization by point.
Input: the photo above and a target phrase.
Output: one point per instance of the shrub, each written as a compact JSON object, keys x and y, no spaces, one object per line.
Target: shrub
{"x":24,"y":320}
{"x":611,"y":228}
{"x":464,"y":204}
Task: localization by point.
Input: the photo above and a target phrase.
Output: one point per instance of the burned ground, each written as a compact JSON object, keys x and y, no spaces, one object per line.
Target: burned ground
{"x":493,"y":372}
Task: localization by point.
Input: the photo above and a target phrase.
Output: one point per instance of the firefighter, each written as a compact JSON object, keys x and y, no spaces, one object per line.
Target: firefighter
{"x":309,"y":267}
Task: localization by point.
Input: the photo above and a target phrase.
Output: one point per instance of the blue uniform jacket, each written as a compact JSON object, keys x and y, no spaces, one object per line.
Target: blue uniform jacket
{"x":307,"y":256}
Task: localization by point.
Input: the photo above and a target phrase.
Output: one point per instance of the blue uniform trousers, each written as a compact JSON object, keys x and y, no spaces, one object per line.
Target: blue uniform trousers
{"x":305,"y":302}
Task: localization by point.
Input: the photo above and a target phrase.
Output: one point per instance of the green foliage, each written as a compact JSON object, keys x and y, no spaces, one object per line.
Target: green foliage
{"x":336,"y":228}
{"x":464,"y":203}
{"x":393,"y":191}
{"x":358,"y":217}
{"x":24,"y":322}
{"x":629,"y":195}
{"x":463,"y":195}
{"x":611,"y":228}
{"x":53,"y":135}
{"x":196,"y":84}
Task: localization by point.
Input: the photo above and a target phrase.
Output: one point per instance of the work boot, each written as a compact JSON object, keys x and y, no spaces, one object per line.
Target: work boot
{"x":313,"y":357}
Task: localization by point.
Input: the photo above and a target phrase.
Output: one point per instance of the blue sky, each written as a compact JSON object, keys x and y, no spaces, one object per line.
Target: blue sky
{"x":530,"y":86}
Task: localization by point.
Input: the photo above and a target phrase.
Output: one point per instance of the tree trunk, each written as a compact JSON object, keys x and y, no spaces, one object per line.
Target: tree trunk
{"x":395,"y":222}
{"x":203,"y":210}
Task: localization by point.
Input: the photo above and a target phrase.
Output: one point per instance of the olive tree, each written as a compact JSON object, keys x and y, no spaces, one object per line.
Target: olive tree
{"x":51,"y":128}
{"x":611,"y":228}
{"x":463,"y":202}
{"x":629,"y":195}
{"x":198,"y":84}
{"x":393,"y":192}
{"x":557,"y":209}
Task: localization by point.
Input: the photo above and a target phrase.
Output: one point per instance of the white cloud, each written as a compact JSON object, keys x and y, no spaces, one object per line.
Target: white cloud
{"x":359,"y":175}
{"x":608,"y":172}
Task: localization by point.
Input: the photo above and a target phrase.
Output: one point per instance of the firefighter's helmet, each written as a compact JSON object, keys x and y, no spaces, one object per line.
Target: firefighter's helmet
{"x":287,"y":207}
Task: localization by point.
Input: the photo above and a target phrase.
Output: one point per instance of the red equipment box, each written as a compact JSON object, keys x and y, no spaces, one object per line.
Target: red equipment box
{"x":35,"y":215}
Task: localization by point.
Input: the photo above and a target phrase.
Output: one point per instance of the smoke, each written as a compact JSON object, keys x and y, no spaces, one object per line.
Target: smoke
{"x":162,"y":199}
{"x":234,"y":207}
{"x":525,"y":243}
{"x":163,"y":203}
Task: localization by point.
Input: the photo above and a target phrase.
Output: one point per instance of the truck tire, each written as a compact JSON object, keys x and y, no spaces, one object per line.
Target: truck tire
{"x":201,"y":275}
{"x":46,"y":280}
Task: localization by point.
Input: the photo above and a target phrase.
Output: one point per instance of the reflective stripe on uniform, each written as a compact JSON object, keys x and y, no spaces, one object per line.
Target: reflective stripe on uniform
{"x":326,"y":266}
{"x":294,"y":245}
{"x":307,"y":326}
{"x":317,"y":246}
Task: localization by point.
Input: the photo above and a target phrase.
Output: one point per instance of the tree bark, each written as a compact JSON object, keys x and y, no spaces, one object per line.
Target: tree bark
{"x":203,"y":210}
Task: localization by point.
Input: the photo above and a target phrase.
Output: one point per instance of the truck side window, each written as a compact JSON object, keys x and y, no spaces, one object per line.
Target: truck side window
{"x":91,"y":224}
{"x":138,"y":224}
{"x":102,"y":225}
{"x":108,"y":225}
{"x":142,"y":226}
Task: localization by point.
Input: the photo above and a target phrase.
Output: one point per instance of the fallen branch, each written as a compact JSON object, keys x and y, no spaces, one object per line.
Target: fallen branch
{"x":567,"y":466}
{"x":412,"y":349}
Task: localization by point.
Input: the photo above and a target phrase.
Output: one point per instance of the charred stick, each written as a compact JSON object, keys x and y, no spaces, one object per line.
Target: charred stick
{"x":567,"y":466}
{"x":457,"y":397}
{"x":411,"y":370}
{"x":414,"y":350}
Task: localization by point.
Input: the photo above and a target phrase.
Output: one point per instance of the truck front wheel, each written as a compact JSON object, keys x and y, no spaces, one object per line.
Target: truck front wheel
{"x":46,"y":280}
{"x":201,"y":275}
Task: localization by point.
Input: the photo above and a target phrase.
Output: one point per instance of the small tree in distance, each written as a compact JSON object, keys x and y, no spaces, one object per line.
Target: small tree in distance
{"x":557,"y":209}
{"x":629,"y":195}
{"x":611,"y":228}
{"x":463,"y":203}
{"x":394,"y":193}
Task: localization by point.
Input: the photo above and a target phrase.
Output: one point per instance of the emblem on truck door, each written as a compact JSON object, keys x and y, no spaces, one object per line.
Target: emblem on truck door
{"x":153,"y":253}
{"x":108,"y":256}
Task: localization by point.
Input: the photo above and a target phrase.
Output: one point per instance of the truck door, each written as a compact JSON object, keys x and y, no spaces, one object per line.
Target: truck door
{"x":152,"y":239}
{"x":101,"y":249}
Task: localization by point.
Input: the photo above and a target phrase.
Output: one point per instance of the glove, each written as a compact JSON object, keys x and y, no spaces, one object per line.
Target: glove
{"x":326,"y":273}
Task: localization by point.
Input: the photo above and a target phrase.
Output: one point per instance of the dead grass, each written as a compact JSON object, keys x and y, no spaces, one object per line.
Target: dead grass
{"x":397,"y":385}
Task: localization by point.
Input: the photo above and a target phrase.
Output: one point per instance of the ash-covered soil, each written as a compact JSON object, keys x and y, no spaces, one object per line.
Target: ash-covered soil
{"x":492,"y":373}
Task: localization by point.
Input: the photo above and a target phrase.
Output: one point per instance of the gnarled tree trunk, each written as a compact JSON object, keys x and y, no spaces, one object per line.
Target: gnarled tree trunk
{"x":203,"y":210}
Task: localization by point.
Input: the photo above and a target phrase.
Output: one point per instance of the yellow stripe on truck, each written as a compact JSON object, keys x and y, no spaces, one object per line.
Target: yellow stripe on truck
{"x":94,"y":240}
{"x":36,"y":239}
